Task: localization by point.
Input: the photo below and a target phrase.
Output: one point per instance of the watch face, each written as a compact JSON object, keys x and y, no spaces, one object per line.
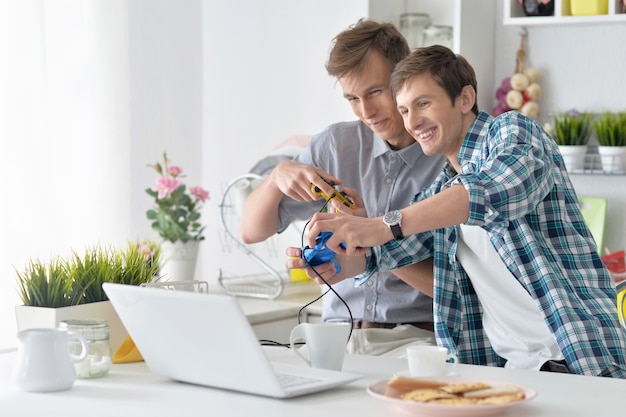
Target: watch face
{"x":392,"y":217}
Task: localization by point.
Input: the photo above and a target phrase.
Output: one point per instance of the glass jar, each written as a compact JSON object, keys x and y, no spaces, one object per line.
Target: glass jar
{"x":438,"y":35}
{"x":412,"y":26}
{"x":96,"y":334}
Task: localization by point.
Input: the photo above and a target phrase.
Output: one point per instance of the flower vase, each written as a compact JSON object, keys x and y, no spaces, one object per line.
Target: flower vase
{"x":613,"y":158}
{"x":574,"y":157}
{"x":178,"y":260}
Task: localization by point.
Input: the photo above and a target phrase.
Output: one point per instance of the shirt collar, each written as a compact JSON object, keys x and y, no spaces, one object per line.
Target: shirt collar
{"x":410,"y":155}
{"x":474,"y":136}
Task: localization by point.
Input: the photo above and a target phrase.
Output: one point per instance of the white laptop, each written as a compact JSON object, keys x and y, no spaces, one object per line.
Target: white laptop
{"x":206,"y":339}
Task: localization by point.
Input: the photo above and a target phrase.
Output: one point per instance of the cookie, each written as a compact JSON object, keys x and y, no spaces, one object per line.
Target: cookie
{"x":454,"y":401}
{"x":463,"y":388}
{"x":425,"y":395}
{"x":493,"y":392}
{"x":500,"y":399}
{"x":399,"y":385}
{"x":403,"y":384}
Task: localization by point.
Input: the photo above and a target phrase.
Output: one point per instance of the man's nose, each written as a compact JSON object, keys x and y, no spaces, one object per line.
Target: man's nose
{"x":368,"y":109}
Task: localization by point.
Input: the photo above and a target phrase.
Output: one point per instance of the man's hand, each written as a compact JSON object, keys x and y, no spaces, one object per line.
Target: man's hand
{"x":326,"y":273}
{"x":359,"y":205}
{"x":295,"y":179}
{"x":358,"y":233}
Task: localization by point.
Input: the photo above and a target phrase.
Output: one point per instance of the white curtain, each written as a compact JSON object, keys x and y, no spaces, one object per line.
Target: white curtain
{"x":64,"y":131}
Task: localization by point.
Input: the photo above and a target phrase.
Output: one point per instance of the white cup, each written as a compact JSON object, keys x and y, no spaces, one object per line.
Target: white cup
{"x":430,"y":360}
{"x":325,"y":342}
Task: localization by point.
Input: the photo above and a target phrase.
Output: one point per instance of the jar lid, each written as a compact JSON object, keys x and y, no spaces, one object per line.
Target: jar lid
{"x":422,"y":17}
{"x":438,"y":29}
{"x":91,"y":329}
{"x":84,"y":322}
{"x":415,"y":14}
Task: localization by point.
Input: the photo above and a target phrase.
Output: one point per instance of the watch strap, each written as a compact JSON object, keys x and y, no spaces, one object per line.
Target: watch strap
{"x":397,"y":231}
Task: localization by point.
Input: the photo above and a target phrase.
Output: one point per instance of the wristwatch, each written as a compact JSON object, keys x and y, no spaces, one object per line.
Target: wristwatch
{"x":392,"y":219}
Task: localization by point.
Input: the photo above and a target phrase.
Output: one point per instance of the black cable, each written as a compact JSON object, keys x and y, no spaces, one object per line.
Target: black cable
{"x":265,"y":342}
{"x":330,"y":287}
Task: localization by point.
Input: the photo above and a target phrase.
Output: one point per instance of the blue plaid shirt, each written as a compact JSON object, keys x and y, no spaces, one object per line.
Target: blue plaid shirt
{"x":521,"y":195}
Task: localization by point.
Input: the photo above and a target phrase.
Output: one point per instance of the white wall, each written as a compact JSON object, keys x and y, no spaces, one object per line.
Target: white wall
{"x":64,"y":129}
{"x":216,"y":84}
{"x":264,"y":80}
{"x":165,"y":70}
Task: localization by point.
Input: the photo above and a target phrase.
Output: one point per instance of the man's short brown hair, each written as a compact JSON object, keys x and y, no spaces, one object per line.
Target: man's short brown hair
{"x":351,"y":47}
{"x":450,"y":71}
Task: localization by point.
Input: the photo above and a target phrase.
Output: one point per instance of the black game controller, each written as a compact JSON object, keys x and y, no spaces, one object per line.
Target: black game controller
{"x":321,"y":254}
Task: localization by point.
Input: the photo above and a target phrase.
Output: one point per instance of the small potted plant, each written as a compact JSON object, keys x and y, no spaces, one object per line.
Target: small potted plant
{"x":610,"y":130}
{"x":175,"y":215}
{"x":571,"y":132}
{"x":71,"y":287}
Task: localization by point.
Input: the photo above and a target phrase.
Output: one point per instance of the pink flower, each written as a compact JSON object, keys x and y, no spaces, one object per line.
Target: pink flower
{"x":175,"y":170}
{"x":200,"y":193}
{"x":145,"y":250}
{"x":166,"y":186}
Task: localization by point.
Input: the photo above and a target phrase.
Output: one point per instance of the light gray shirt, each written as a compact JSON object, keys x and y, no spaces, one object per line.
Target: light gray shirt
{"x":386,"y":180}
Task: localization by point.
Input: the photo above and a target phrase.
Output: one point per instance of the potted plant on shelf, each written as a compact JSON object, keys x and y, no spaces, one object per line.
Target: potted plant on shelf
{"x":610,"y":130}
{"x":176,"y":217}
{"x":71,"y":287}
{"x":571,"y":132}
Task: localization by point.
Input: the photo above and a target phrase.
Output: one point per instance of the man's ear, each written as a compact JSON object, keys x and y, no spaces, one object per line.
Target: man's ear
{"x":467,"y":98}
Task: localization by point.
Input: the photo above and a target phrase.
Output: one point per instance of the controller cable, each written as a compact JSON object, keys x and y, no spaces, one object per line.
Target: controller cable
{"x":330,"y":288}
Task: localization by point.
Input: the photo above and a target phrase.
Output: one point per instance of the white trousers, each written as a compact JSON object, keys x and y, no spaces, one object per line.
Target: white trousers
{"x":388,"y":342}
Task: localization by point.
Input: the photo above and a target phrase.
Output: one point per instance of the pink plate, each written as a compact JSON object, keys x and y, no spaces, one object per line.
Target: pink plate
{"x":442,"y":410}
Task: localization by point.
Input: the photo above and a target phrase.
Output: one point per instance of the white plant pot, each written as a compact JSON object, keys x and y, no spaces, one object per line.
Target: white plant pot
{"x":44,"y":317}
{"x":574,"y":157}
{"x":613,"y":158}
{"x":178,"y":261}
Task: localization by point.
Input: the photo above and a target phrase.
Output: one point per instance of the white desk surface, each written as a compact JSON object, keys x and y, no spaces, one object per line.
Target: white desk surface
{"x":132,"y":390}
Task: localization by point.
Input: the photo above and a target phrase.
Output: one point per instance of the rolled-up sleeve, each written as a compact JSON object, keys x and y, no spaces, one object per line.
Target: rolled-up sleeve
{"x":396,"y":254}
{"x":512,"y":178}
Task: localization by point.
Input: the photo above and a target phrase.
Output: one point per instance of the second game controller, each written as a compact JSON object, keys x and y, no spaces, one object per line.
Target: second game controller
{"x":320,"y":254}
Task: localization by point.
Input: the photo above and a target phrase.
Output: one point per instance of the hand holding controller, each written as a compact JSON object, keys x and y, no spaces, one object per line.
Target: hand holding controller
{"x":321,"y":253}
{"x":339,"y":195}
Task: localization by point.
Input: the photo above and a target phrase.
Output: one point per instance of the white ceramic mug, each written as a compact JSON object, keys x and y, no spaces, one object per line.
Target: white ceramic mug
{"x":325,"y":342}
{"x":44,"y":360}
{"x":430,"y":360}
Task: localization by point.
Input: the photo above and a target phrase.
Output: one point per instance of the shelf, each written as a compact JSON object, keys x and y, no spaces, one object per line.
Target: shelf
{"x":593,"y":166}
{"x":514,"y":15}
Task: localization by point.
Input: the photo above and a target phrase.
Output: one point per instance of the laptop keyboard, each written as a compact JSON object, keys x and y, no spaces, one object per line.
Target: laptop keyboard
{"x":290,"y":380}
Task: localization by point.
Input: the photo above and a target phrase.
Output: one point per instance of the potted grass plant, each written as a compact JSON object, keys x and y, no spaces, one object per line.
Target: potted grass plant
{"x":71,"y":287}
{"x":610,"y":130}
{"x":571,"y":133}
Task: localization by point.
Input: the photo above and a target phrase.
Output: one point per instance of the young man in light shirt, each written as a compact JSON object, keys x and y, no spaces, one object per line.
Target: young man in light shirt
{"x":373,"y":157}
{"x":518,"y":280}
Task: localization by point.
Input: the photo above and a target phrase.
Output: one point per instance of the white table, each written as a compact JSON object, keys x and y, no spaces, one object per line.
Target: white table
{"x":132,"y":390}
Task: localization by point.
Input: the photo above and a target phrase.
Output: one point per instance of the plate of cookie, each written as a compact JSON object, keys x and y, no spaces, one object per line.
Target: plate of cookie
{"x":450,"y":396}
